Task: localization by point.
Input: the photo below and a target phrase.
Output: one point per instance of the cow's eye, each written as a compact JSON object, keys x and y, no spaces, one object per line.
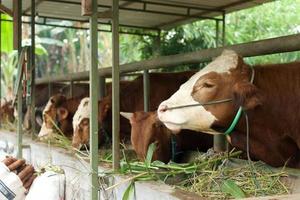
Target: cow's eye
{"x":208,"y":85}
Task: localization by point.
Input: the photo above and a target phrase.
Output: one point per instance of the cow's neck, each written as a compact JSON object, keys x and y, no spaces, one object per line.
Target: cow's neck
{"x":274,"y":124}
{"x":72,"y":104}
{"x":280,"y":86}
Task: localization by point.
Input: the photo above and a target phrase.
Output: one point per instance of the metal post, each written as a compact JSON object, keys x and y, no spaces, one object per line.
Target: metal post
{"x":0,"y":62}
{"x":217,"y":33}
{"x":17,"y":7}
{"x":220,"y":140}
{"x":223,"y":29}
{"x":102,"y":88}
{"x":116,"y":85}
{"x":32,"y":106}
{"x":71,"y":89}
{"x":146,"y":84}
{"x":94,"y":78}
{"x":49,"y":89}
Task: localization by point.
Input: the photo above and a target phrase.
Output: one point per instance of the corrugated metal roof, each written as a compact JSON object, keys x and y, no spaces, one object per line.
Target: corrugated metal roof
{"x":158,"y":14}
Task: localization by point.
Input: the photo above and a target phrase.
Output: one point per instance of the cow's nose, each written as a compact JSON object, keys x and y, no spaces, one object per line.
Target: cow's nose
{"x":162,"y":108}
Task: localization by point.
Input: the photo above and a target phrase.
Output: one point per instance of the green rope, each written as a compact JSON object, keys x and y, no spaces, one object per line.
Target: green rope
{"x":234,"y":122}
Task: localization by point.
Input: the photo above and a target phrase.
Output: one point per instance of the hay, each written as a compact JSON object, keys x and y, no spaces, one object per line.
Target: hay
{"x":253,"y":181}
{"x":211,"y":175}
{"x":7,"y":125}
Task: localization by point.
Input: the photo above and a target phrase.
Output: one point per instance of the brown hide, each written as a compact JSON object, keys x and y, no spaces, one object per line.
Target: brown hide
{"x":162,"y":85}
{"x":7,"y":112}
{"x":42,"y":96}
{"x":81,"y":133}
{"x":61,"y":111}
{"x":146,"y":129}
{"x":272,"y":105}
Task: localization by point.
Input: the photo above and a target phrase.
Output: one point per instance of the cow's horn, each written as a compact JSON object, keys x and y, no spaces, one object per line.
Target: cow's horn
{"x":127,"y":115}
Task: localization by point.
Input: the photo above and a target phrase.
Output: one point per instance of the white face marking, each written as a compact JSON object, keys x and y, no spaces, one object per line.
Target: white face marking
{"x":44,"y":130}
{"x":2,"y":102}
{"x":83,"y":112}
{"x":195,"y":118}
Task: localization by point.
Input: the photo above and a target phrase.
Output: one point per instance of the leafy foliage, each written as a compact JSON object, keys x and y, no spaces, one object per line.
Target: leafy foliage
{"x":231,"y":188}
{"x":6,"y":34}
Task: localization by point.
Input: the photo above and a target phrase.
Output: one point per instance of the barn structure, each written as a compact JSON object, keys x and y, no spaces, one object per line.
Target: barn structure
{"x":146,"y":16}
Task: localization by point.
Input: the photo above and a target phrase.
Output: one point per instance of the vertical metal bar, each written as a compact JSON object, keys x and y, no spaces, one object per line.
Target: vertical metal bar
{"x":146,"y":76}
{"x":49,"y":90}
{"x":71,"y":89}
{"x":102,"y":88}
{"x":32,"y":106}
{"x":116,"y":85}
{"x":0,"y":62}
{"x":220,"y":140}
{"x":217,"y":33}
{"x":94,"y":84}
{"x":223,"y":28}
{"x":146,"y":84}
{"x":17,"y":8}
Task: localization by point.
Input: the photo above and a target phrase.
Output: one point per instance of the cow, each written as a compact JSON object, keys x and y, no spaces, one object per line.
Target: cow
{"x":6,"y":111}
{"x":42,"y":97}
{"x":146,"y":129}
{"x":266,"y":97}
{"x":59,"y":112}
{"x":162,"y":85}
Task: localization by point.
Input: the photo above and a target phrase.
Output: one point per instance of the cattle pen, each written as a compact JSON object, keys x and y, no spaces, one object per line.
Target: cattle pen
{"x":147,"y":16}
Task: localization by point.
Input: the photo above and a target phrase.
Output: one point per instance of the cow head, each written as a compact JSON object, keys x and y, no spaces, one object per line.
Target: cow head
{"x":225,"y":77}
{"x":81,"y":122}
{"x":146,"y":129}
{"x":6,"y":111}
{"x":54,"y":112}
{"x":81,"y":126}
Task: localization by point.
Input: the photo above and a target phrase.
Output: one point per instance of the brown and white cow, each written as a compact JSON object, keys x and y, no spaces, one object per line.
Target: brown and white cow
{"x":42,"y":97}
{"x":162,"y":85}
{"x":146,"y":129}
{"x":59,"y":111}
{"x":271,"y":103}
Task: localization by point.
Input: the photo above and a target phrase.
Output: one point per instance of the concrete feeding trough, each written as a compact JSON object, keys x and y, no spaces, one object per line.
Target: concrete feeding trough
{"x":77,"y":174}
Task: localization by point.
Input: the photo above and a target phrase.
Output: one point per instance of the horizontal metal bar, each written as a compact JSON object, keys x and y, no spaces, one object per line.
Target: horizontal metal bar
{"x":85,"y":28}
{"x":176,"y":5}
{"x":256,"y":48}
{"x":86,"y":21}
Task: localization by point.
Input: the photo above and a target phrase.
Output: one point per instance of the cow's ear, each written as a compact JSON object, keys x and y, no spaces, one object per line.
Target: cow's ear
{"x":127,"y":115}
{"x":103,"y":109}
{"x":247,"y":95}
{"x":62,"y":113}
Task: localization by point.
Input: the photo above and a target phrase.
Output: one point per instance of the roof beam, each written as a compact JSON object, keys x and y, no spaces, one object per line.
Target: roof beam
{"x":187,"y":20}
{"x":174,"y":5}
{"x":144,"y":9}
{"x":36,"y":5}
{"x":6,"y":10}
